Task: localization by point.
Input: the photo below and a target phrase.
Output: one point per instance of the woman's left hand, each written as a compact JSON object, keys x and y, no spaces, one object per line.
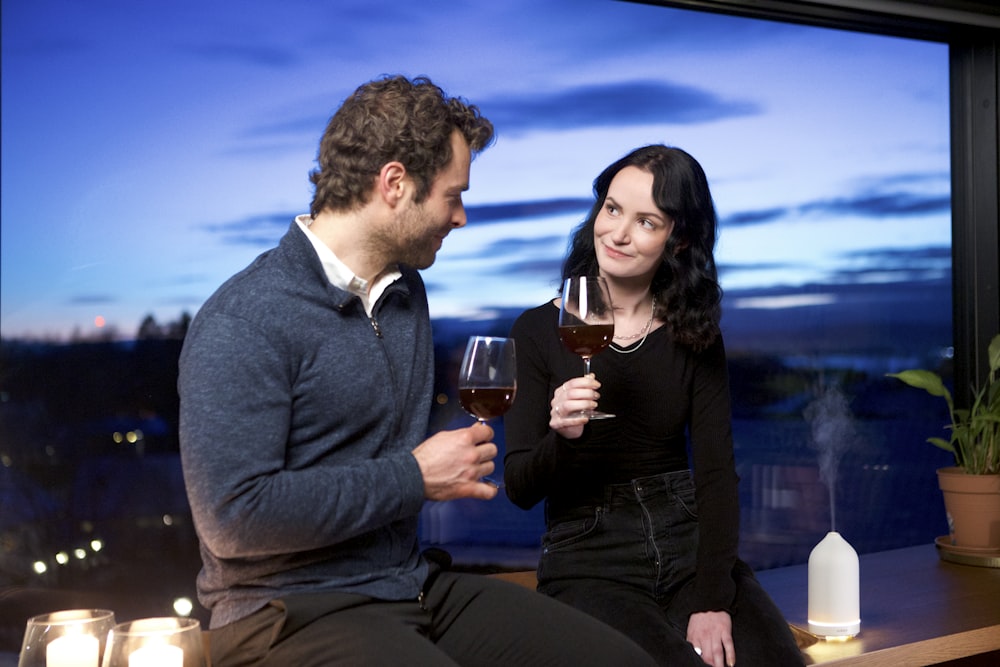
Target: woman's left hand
{"x":579,"y":393}
{"x":711,"y":635}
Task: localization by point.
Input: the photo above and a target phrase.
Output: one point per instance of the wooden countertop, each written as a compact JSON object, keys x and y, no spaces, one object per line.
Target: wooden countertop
{"x":915,"y":609}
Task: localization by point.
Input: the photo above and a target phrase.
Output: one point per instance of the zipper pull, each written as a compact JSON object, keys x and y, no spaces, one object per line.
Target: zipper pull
{"x":378,"y":331}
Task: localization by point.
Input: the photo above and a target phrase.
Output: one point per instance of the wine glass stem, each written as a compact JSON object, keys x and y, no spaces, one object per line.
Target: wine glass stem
{"x":490,"y":480}
{"x":586,"y":365}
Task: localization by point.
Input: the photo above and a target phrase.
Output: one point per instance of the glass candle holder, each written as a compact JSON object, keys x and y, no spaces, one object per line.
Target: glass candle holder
{"x":156,"y":642}
{"x":71,"y":638}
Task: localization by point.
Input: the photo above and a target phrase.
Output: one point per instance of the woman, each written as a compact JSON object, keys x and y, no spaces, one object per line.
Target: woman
{"x":633,"y":537}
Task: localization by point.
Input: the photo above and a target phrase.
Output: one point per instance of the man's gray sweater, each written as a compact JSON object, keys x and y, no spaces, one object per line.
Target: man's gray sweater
{"x":298,"y":418}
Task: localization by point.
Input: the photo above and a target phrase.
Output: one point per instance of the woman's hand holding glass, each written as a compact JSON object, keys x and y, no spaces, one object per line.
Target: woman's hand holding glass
{"x":570,"y":403}
{"x":586,"y":326}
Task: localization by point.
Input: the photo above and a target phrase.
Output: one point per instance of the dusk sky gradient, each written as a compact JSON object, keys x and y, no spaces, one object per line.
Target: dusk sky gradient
{"x":150,"y":149}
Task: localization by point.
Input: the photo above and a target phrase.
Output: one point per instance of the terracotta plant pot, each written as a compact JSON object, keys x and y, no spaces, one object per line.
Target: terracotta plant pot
{"x":972,"y":503}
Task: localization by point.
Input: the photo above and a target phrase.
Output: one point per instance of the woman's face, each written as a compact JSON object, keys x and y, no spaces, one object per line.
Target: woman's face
{"x":631,"y":232}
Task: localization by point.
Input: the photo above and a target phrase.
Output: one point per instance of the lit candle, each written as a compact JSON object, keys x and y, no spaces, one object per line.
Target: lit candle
{"x":74,"y":650}
{"x":162,"y":655}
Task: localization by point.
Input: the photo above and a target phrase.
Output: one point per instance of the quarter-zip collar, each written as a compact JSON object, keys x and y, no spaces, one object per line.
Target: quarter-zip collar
{"x":340,"y":275}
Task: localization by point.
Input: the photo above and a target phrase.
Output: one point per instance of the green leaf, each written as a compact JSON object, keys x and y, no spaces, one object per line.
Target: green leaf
{"x":994,"y":353}
{"x":942,"y":443}
{"x":975,"y":429}
{"x":921,"y":379}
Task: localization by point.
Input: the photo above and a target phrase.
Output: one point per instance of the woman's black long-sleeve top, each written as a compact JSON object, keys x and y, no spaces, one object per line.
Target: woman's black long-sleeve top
{"x":663,"y":394}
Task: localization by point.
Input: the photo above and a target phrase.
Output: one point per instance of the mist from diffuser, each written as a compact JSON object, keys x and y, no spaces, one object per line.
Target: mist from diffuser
{"x":834,"y":571}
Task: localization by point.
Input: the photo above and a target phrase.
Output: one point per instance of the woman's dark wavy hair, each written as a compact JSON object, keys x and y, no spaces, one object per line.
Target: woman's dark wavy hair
{"x":391,"y":118}
{"x":686,"y":287}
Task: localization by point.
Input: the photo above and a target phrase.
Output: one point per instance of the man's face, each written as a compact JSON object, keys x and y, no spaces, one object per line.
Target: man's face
{"x":419,"y":230}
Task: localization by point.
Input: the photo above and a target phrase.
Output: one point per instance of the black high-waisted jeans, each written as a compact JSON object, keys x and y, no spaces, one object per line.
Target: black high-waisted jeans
{"x":462,"y":619}
{"x":630,"y":559}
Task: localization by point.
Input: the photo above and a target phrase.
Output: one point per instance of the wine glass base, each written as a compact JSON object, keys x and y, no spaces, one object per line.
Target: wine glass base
{"x":492,"y":482}
{"x":594,"y":414}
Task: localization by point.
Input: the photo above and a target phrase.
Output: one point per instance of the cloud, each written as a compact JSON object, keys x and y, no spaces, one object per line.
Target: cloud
{"x":783,"y":301}
{"x":889,"y":274}
{"x":872,"y":266}
{"x":188,"y":301}
{"x":91,"y":300}
{"x":882,"y":205}
{"x":891,"y":265}
{"x":546,"y":268}
{"x":182,"y":279}
{"x":253,"y":55}
{"x":512,"y":247}
{"x":266,"y":229}
{"x":902,"y":295}
{"x":518,"y":245}
{"x":917,"y":179}
{"x":311,"y":125}
{"x":525,"y":210}
{"x":879,"y":266}
{"x":905,"y":256}
{"x":758,"y":217}
{"x":758,"y":266}
{"x":615,"y":104}
{"x":257,"y":230}
{"x":886,"y":197}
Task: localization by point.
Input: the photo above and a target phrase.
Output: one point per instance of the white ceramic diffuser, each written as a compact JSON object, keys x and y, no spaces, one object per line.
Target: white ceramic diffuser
{"x":834,"y":589}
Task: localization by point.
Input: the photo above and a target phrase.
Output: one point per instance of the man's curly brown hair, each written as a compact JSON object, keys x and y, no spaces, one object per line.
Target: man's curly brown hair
{"x":385,"y":120}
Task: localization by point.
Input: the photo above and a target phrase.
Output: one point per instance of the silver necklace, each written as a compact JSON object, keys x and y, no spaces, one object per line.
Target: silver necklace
{"x":644,"y":333}
{"x":645,"y":329}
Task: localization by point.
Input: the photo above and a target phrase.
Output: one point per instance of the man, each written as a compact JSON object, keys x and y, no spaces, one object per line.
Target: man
{"x":306,"y":384}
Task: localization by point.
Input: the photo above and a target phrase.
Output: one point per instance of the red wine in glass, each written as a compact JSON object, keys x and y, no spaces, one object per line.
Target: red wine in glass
{"x":487,"y":380}
{"x":586,"y":323}
{"x":587,"y":339}
{"x":486,"y":403}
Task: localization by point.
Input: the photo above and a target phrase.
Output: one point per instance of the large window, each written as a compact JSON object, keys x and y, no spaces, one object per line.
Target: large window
{"x":150,"y":153}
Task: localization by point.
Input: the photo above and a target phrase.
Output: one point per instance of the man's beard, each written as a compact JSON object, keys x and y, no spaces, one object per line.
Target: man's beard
{"x":408,"y":239}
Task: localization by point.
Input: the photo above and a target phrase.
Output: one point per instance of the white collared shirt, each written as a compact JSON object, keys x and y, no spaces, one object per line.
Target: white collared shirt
{"x":340,"y":275}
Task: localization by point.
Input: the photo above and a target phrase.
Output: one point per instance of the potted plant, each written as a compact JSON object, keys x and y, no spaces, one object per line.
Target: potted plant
{"x":971,"y":487}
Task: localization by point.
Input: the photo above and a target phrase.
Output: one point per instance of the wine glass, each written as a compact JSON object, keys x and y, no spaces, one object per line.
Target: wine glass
{"x":586,"y":323}
{"x":156,"y":642}
{"x":487,"y":380}
{"x":71,"y":637}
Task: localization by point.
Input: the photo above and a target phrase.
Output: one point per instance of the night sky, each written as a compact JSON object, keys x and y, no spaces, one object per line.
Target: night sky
{"x":152,"y":149}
